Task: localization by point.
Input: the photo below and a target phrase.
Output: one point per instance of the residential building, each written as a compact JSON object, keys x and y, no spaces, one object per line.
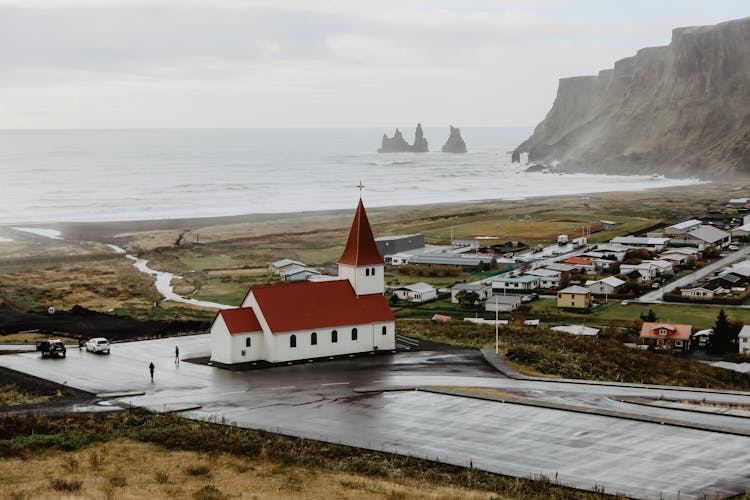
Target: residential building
{"x":666,"y":336}
{"x":562,"y":268}
{"x":483,"y":290}
{"x":581,"y":263}
{"x":502,"y":303}
{"x":646,"y":271}
{"x":743,"y":340}
{"x":417,"y":292}
{"x":741,"y":232}
{"x":472,"y":261}
{"x":576,"y":297}
{"x":704,"y":292}
{"x":297,"y":273}
{"x":282,"y":264}
{"x":305,"y":320}
{"x":517,"y":283}
{"x":607,"y":286}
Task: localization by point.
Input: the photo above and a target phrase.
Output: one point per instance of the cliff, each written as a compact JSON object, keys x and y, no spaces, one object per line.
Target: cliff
{"x":683,"y":109}
{"x":397,"y":143}
{"x":455,"y":143}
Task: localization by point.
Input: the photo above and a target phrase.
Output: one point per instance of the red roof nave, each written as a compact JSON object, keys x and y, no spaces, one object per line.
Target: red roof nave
{"x":308,"y":305}
{"x":241,"y":320}
{"x":360,"y":248}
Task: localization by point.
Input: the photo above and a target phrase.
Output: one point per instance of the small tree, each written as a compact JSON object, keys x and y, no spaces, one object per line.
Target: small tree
{"x":721,"y":340}
{"x":650,"y":316}
{"x":467,"y":298}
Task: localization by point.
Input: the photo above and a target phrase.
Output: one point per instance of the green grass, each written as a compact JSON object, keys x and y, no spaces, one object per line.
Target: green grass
{"x":25,"y":436}
{"x":571,"y":356}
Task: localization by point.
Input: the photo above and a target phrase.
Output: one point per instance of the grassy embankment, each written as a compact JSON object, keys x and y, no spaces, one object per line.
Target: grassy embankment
{"x":538,"y":351}
{"x":137,"y":455}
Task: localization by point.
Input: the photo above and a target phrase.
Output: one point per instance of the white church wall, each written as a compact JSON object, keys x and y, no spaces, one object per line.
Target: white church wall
{"x":221,"y":347}
{"x":363,"y":279}
{"x":242,"y":353}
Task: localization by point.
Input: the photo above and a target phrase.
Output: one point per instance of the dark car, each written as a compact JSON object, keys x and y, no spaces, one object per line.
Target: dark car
{"x":51,"y":348}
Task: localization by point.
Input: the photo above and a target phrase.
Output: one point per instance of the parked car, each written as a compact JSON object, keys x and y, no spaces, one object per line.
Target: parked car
{"x":51,"y":348}
{"x":98,"y":344}
{"x":529,"y":298}
{"x":733,"y":248}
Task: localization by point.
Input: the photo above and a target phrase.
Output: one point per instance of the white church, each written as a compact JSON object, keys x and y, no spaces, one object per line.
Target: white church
{"x":313,"y":319}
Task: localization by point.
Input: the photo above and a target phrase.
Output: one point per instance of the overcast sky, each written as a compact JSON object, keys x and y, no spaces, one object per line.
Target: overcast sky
{"x":243,"y":63}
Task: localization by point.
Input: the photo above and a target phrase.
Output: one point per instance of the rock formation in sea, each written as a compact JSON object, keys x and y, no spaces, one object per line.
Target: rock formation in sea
{"x":683,"y":109}
{"x":397,"y":143}
{"x":455,"y":143}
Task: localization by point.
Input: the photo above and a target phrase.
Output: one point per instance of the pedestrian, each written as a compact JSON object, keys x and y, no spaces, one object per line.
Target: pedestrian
{"x":151,"y":370}
{"x":176,"y":355}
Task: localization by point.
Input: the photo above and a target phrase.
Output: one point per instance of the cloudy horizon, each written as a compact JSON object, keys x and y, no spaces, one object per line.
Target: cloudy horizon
{"x":235,"y":63}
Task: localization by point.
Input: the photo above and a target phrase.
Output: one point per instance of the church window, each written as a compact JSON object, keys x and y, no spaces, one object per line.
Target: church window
{"x":334,"y":336}
{"x":248,"y":341}
{"x":385,"y":330}
{"x":314,"y":338}
{"x":354,"y":334}
{"x":372,"y":271}
{"x":367,"y":272}
{"x":293,"y":341}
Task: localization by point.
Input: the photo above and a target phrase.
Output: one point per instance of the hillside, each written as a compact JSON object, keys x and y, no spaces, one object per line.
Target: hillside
{"x":681,"y":110}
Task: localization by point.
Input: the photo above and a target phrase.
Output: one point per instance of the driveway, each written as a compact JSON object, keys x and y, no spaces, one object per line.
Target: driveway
{"x":586,"y":435}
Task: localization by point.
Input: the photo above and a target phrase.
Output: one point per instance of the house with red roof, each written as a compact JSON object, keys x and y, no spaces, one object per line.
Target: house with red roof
{"x":666,"y":336}
{"x":313,"y":319}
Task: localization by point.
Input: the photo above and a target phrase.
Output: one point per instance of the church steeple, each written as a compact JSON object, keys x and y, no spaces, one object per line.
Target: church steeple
{"x":361,"y":262}
{"x":360,"y":248}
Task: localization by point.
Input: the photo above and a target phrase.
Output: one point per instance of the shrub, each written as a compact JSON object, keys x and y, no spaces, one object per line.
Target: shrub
{"x":198,"y":470}
{"x":161,"y":477}
{"x":208,"y":492}
{"x":118,"y":481}
{"x":64,"y":485}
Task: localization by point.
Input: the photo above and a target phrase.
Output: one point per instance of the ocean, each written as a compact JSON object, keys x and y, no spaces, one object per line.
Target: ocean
{"x":113,"y":175}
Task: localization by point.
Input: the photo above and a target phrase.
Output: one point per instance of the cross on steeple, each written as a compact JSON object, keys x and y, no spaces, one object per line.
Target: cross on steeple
{"x":360,"y":186}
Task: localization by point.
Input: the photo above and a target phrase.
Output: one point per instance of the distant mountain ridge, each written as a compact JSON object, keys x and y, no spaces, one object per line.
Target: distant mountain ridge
{"x":682,"y":109}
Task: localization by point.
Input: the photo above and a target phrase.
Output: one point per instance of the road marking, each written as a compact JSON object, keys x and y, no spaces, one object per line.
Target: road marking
{"x":235,"y":392}
{"x":337,"y":383}
{"x":285,"y":387}
{"x":379,"y":381}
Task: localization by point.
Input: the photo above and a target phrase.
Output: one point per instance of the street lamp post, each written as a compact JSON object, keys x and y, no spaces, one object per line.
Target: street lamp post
{"x":497,"y":336}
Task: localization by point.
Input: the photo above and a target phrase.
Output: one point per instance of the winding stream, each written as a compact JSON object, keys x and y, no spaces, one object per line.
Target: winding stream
{"x":164,"y":282}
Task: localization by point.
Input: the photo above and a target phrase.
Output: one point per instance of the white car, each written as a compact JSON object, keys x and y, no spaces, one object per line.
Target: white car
{"x":98,"y":344}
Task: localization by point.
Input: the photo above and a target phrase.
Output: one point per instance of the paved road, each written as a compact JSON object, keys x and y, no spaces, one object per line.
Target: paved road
{"x":657,"y":295}
{"x":324,"y":401}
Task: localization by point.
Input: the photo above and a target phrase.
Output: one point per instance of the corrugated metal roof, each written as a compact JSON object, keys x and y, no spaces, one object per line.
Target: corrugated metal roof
{"x":575,"y":289}
{"x":709,"y":234}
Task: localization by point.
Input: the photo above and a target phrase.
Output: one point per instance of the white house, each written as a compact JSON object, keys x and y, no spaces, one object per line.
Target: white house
{"x":502,"y":303}
{"x":661,"y":266}
{"x":305,"y":320}
{"x":282,"y":264}
{"x":417,"y":292}
{"x":682,"y":227}
{"x":525,"y":282}
{"x":641,"y":242}
{"x":607,"y":286}
{"x":741,"y":232}
{"x":647,"y":271}
{"x":704,"y":292}
{"x":297,"y":273}
{"x":703,"y":237}
{"x":743,"y":340}
{"x":484,"y":290}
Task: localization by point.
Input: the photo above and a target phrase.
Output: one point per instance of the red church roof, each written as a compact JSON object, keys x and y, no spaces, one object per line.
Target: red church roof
{"x":360,"y":248}
{"x":240,"y":320}
{"x":307,"y":305}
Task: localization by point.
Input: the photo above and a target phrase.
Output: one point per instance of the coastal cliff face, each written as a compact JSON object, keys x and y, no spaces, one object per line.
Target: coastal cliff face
{"x":683,"y":109}
{"x":455,"y":143}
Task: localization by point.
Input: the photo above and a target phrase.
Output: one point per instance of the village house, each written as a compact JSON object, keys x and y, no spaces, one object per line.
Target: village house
{"x":666,"y":336}
{"x":607,"y":286}
{"x":297,"y":273}
{"x":278,"y":266}
{"x":307,"y":320}
{"x":741,"y":232}
{"x":661,"y":267}
{"x":707,"y":291}
{"x":483,"y":290}
{"x":517,"y":283}
{"x":576,"y":297}
{"x":743,"y":340}
{"x":646,"y":271}
{"x":391,"y":245}
{"x":417,"y":292}
{"x":582,"y":264}
{"x":730,"y":281}
{"x":502,"y":303}
{"x":561,"y":268}
{"x":582,"y":330}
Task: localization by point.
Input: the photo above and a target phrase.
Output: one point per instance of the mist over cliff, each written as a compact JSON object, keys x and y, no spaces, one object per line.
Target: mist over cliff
{"x":683,"y":109}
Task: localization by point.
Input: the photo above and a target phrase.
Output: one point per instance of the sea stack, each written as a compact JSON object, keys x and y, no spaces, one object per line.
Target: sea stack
{"x":397,"y":144}
{"x":420,"y":143}
{"x":455,"y":143}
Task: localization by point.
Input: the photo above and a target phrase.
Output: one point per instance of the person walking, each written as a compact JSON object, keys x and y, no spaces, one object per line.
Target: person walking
{"x":151,"y":370}
{"x":176,"y":355}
